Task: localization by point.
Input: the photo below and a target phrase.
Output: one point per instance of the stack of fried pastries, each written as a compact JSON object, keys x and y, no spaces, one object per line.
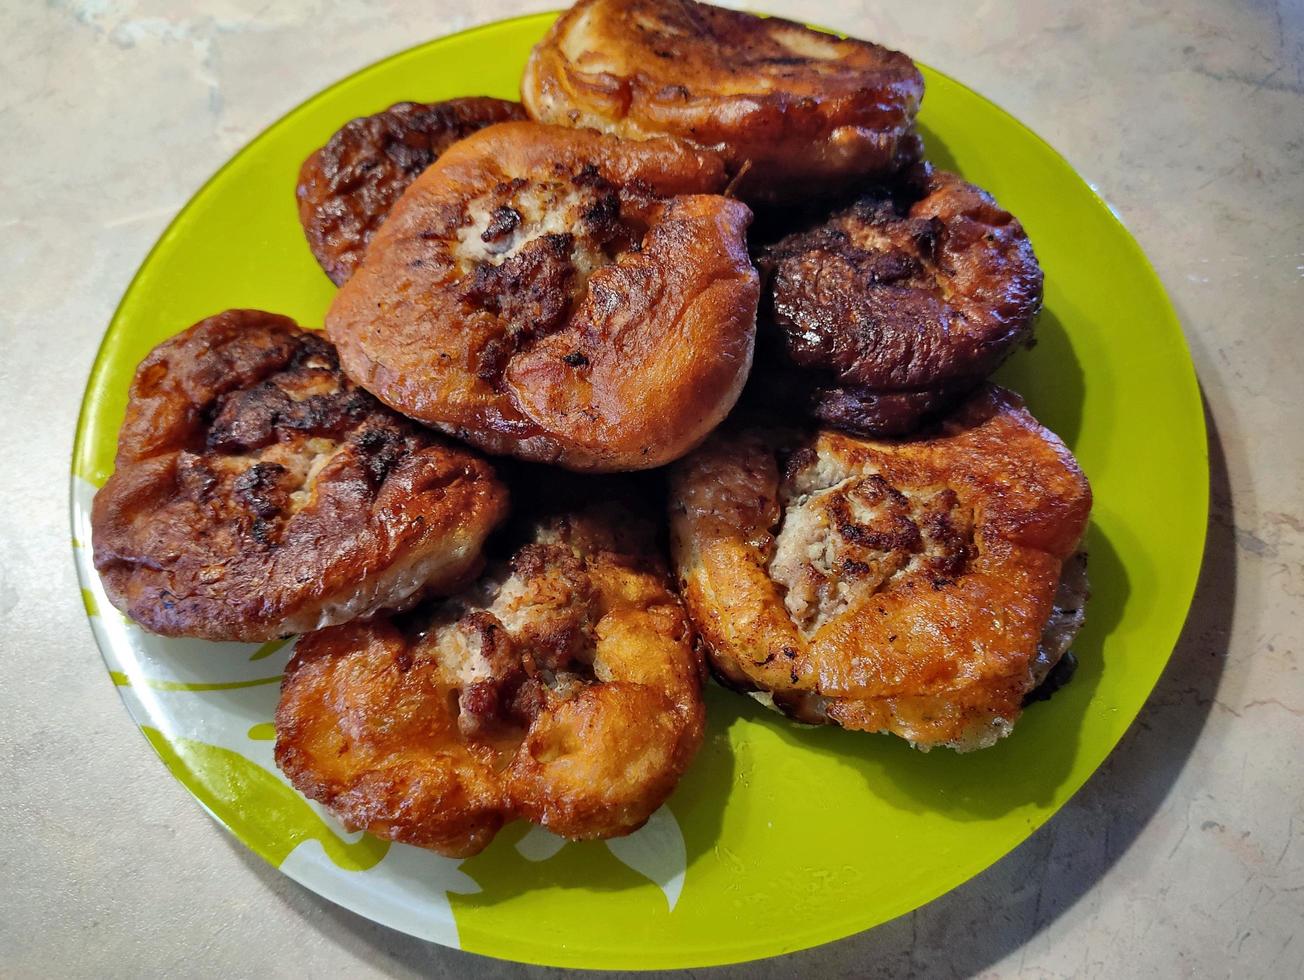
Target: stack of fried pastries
{"x":707,"y":252}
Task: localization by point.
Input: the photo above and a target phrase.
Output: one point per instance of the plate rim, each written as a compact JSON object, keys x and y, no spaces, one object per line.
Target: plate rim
{"x":513,"y":949}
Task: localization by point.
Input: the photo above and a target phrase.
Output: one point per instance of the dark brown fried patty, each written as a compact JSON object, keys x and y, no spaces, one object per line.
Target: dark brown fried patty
{"x":348,"y":186}
{"x":899,"y":304}
{"x":258,"y":492}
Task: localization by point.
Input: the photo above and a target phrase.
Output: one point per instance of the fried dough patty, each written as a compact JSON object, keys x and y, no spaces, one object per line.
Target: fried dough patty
{"x":562,"y":688}
{"x":558,"y":295}
{"x":804,"y":109}
{"x":890,"y":586}
{"x":900,"y":304}
{"x":257,"y":492}
{"x":347,"y":187}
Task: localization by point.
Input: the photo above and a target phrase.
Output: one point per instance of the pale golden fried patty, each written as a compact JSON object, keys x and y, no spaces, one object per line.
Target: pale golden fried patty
{"x":899,"y":586}
{"x":562,"y":688}
{"x":805,"y":110}
{"x":257,"y":492}
{"x":558,"y":295}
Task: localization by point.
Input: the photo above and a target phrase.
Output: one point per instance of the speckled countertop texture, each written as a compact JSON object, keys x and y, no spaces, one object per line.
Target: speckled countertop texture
{"x":1183,"y":856}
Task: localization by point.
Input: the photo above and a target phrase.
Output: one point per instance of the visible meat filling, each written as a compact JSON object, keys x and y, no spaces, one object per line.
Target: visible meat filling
{"x":527,"y":249}
{"x":308,"y":396}
{"x":348,"y":186}
{"x":503,"y":220}
{"x":842,"y":542}
{"x":531,"y":293}
{"x":561,"y":688}
{"x":532,"y":281}
{"x":262,"y":489}
{"x":919,"y":586}
{"x":522,"y":641}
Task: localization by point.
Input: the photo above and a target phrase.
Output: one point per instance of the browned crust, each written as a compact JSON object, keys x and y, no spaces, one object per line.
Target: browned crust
{"x":940,"y":650}
{"x":257,"y":492}
{"x":897,"y":306}
{"x":807,"y":110}
{"x":585,"y":710}
{"x":347,"y":187}
{"x":627,"y":371}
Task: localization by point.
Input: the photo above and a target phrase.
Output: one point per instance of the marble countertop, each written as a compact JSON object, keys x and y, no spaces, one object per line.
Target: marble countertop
{"x":1184,"y":854}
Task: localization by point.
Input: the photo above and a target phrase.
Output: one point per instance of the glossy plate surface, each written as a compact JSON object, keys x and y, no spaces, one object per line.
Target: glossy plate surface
{"x":779,"y":837}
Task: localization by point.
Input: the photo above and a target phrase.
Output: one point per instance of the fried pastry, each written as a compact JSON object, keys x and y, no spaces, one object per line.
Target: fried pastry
{"x":905,"y":586}
{"x":562,"y":688}
{"x":897,"y":306}
{"x":258,"y":492}
{"x":558,"y":295}
{"x":347,"y":187}
{"x":803,"y":111}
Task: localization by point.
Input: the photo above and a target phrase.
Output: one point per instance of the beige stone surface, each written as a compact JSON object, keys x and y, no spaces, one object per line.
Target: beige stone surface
{"x":1183,"y":856}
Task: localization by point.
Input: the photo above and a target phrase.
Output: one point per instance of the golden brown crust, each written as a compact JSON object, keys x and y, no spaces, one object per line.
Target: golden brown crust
{"x":542,"y":292}
{"x":347,"y":187}
{"x":898,"y":305}
{"x":257,"y":492}
{"x":807,"y":110}
{"x":895,"y":586}
{"x":562,"y":688}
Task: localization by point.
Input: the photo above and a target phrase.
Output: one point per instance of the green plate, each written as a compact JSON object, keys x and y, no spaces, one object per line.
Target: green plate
{"x":779,"y":837}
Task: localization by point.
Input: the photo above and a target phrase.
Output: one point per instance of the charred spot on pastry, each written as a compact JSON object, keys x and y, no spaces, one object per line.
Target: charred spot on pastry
{"x":260,"y":489}
{"x":380,"y":448}
{"x":503,"y":220}
{"x":247,"y":457}
{"x":1056,"y":679}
